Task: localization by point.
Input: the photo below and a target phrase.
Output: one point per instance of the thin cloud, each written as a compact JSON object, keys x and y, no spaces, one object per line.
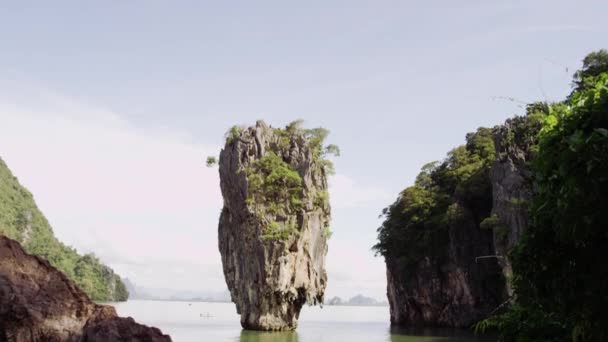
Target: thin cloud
{"x":143,"y":200}
{"x":128,"y":195}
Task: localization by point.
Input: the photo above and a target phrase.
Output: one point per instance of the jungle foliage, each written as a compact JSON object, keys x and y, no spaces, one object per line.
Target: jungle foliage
{"x":21,"y":220}
{"x":558,"y":265}
{"x":416,"y":223}
{"x":560,"y":277}
{"x":276,"y":193}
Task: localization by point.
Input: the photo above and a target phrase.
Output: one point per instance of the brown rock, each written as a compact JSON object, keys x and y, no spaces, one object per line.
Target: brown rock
{"x":39,"y":303}
{"x":121,"y":329}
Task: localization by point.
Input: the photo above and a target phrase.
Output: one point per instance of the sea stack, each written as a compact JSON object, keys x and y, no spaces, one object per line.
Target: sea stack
{"x":274,"y":225}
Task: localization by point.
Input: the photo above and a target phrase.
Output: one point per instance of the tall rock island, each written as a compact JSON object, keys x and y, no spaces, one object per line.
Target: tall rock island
{"x":274,"y":225}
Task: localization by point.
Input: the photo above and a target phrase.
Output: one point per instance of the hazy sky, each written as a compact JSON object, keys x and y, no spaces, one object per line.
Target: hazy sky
{"x":109,"y":108}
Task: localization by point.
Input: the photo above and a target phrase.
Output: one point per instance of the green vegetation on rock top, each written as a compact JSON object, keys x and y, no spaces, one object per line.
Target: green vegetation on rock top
{"x":276,"y":193}
{"x":273,"y":181}
{"x":21,"y":220}
{"x":416,"y":224}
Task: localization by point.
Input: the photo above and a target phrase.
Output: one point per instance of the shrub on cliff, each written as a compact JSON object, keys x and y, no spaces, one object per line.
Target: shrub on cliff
{"x":594,"y":64}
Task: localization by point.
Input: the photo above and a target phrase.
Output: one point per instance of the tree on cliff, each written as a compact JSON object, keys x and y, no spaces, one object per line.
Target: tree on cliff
{"x":594,"y":64}
{"x":416,"y":223}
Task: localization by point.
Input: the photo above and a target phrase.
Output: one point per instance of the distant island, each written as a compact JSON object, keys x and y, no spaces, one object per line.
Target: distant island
{"x":358,"y":300}
{"x":156,"y":294}
{"x":142,"y":293}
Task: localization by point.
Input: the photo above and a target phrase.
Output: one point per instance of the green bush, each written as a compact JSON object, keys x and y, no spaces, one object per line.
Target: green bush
{"x":233,"y":133}
{"x":321,"y":199}
{"x":492,"y":222}
{"x":327,"y":233}
{"x":211,"y":161}
{"x":279,"y":231}
{"x":523,"y":324}
{"x":273,"y":180}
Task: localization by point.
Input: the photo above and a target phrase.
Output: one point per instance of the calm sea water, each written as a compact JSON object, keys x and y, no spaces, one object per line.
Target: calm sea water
{"x":197,"y":322}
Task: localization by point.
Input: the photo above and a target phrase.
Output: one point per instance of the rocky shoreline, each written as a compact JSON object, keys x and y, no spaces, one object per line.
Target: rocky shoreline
{"x":39,"y":303}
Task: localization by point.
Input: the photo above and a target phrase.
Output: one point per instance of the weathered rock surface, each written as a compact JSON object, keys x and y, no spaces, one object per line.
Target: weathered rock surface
{"x":271,"y":279}
{"x":450,"y":291}
{"x":121,"y":329}
{"x":39,"y":303}
{"x":511,"y":186}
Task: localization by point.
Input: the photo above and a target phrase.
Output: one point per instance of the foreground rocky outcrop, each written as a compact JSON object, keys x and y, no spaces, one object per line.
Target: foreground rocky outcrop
{"x":446,"y":239}
{"x":39,"y":303}
{"x":274,"y":225}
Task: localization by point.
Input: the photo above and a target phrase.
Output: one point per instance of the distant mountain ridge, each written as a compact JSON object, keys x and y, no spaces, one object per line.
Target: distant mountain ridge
{"x":358,"y":300}
{"x":21,"y":220}
{"x":137,"y":292}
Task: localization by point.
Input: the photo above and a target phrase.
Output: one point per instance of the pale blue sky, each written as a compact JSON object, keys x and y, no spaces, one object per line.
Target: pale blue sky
{"x":398,"y":83}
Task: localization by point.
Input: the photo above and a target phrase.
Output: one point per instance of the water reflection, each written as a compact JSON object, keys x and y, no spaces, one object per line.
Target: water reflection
{"x":436,"y":335}
{"x":266,"y":336}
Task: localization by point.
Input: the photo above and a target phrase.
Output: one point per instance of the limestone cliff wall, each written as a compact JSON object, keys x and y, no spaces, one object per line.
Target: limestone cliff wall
{"x":454,"y":290}
{"x":511,"y":186}
{"x":463,"y":286}
{"x":271,"y":278}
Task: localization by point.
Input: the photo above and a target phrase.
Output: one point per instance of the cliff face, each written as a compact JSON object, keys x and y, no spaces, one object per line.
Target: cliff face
{"x":463,"y":275}
{"x":515,"y":143}
{"x":39,"y":303}
{"x":21,"y":220}
{"x":453,"y":290}
{"x":273,"y":228}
